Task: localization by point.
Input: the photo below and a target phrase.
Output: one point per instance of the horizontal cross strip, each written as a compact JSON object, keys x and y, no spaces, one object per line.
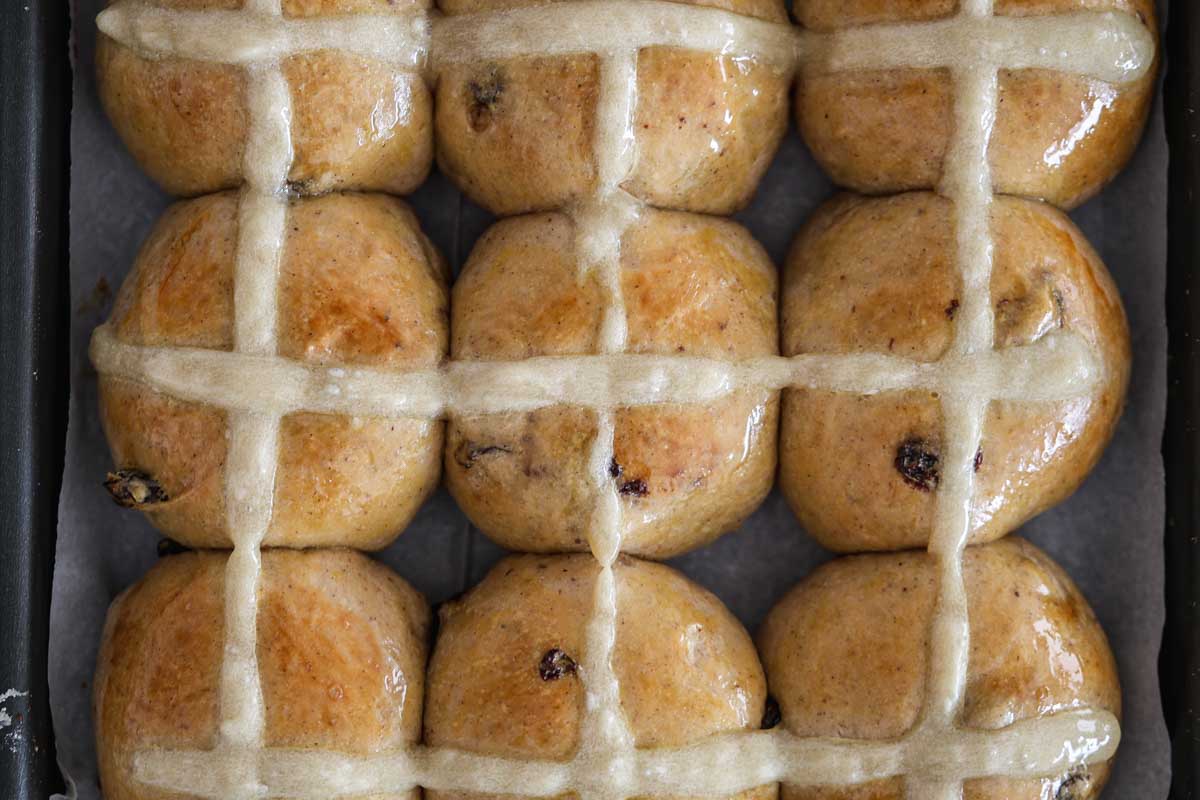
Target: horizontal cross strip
{"x":248,"y":37}
{"x":1109,"y":46}
{"x":719,"y":766}
{"x":1058,"y":366}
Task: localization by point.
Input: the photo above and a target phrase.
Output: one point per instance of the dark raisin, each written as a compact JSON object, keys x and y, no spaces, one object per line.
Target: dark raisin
{"x":467,"y":453}
{"x":1074,"y":785}
{"x":170,"y":547}
{"x":300,"y":188}
{"x":978,"y":459}
{"x":556,"y":664}
{"x":772,"y":716}
{"x":952,"y":309}
{"x":131,"y":488}
{"x":483,"y":94}
{"x":1060,"y":305}
{"x":1006,"y":311}
{"x":917,"y":463}
{"x":635,"y":488}
{"x":614,"y":469}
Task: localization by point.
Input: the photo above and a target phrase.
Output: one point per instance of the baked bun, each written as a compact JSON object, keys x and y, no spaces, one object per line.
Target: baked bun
{"x":1058,"y":136}
{"x":519,"y":134}
{"x":356,"y":122}
{"x":846,"y":655}
{"x":359,"y":285}
{"x":691,"y":286}
{"x":341,"y":654}
{"x":506,"y":676}
{"x":878,"y":275}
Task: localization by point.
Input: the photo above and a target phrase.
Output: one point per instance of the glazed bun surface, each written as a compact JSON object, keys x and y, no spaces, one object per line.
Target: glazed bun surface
{"x":1058,"y":137}
{"x":359,"y":286}
{"x":877,"y":275}
{"x":357,"y":122}
{"x":506,"y":675}
{"x":846,"y":655}
{"x":341,"y":652}
{"x":518,"y":135}
{"x":692,"y":286}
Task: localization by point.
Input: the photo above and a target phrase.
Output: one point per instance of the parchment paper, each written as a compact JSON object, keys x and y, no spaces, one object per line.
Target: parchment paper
{"x":1108,"y":536}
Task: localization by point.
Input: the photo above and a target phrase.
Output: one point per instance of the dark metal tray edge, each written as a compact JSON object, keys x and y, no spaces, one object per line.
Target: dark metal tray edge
{"x":35,"y":104}
{"x":35,"y":81}
{"x":1179,"y":665}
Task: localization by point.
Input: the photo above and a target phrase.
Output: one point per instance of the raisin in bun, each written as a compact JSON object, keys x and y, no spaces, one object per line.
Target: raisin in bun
{"x":359,"y":285}
{"x":846,"y":655}
{"x":356,"y":122}
{"x":1058,"y":136}
{"x":878,"y":275}
{"x":519,"y":134}
{"x":506,"y":675}
{"x":691,"y":285}
{"x":341,"y":653}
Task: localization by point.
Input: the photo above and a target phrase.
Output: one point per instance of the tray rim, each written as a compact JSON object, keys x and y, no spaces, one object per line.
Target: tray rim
{"x":1179,"y":660}
{"x":35,"y":90}
{"x":35,"y":93}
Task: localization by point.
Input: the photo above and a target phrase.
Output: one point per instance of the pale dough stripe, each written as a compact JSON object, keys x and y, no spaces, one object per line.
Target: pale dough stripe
{"x":601,"y":767}
{"x":720,"y":766}
{"x":241,"y":37}
{"x":968,"y":183}
{"x":600,"y":26}
{"x":1057,"y":367}
{"x":604,"y":219}
{"x":1105,"y":45}
{"x":253,"y":456}
{"x":1109,"y":46}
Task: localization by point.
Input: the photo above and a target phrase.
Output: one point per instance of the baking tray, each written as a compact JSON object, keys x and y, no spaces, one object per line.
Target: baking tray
{"x":34,"y":120}
{"x":35,"y":92}
{"x":1179,"y":666}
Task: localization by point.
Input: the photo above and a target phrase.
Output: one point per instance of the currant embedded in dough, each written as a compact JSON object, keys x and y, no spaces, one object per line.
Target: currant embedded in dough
{"x":359,"y":286}
{"x":878,"y":275}
{"x":356,"y":122}
{"x":846,"y":655}
{"x":690,"y":285}
{"x":1058,"y":136}
{"x":341,"y":652}
{"x":505,"y":676}
{"x":518,"y":135}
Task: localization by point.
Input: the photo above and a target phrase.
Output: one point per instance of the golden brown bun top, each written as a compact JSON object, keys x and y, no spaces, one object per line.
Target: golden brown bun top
{"x":686,"y":666}
{"x":847,"y":649}
{"x":341,"y":651}
{"x":359,"y":283}
{"x":160,"y":657}
{"x":879,"y":275}
{"x":692,"y":285}
{"x":763,"y":9}
{"x":303,"y":8}
{"x":828,"y":15}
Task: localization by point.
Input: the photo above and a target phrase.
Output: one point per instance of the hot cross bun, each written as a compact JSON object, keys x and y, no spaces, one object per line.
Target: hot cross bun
{"x":519,"y":134}
{"x":847,"y":650}
{"x":692,"y":286}
{"x":357,"y":122}
{"x":1057,"y":136}
{"x":360,"y":286}
{"x":877,"y":275}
